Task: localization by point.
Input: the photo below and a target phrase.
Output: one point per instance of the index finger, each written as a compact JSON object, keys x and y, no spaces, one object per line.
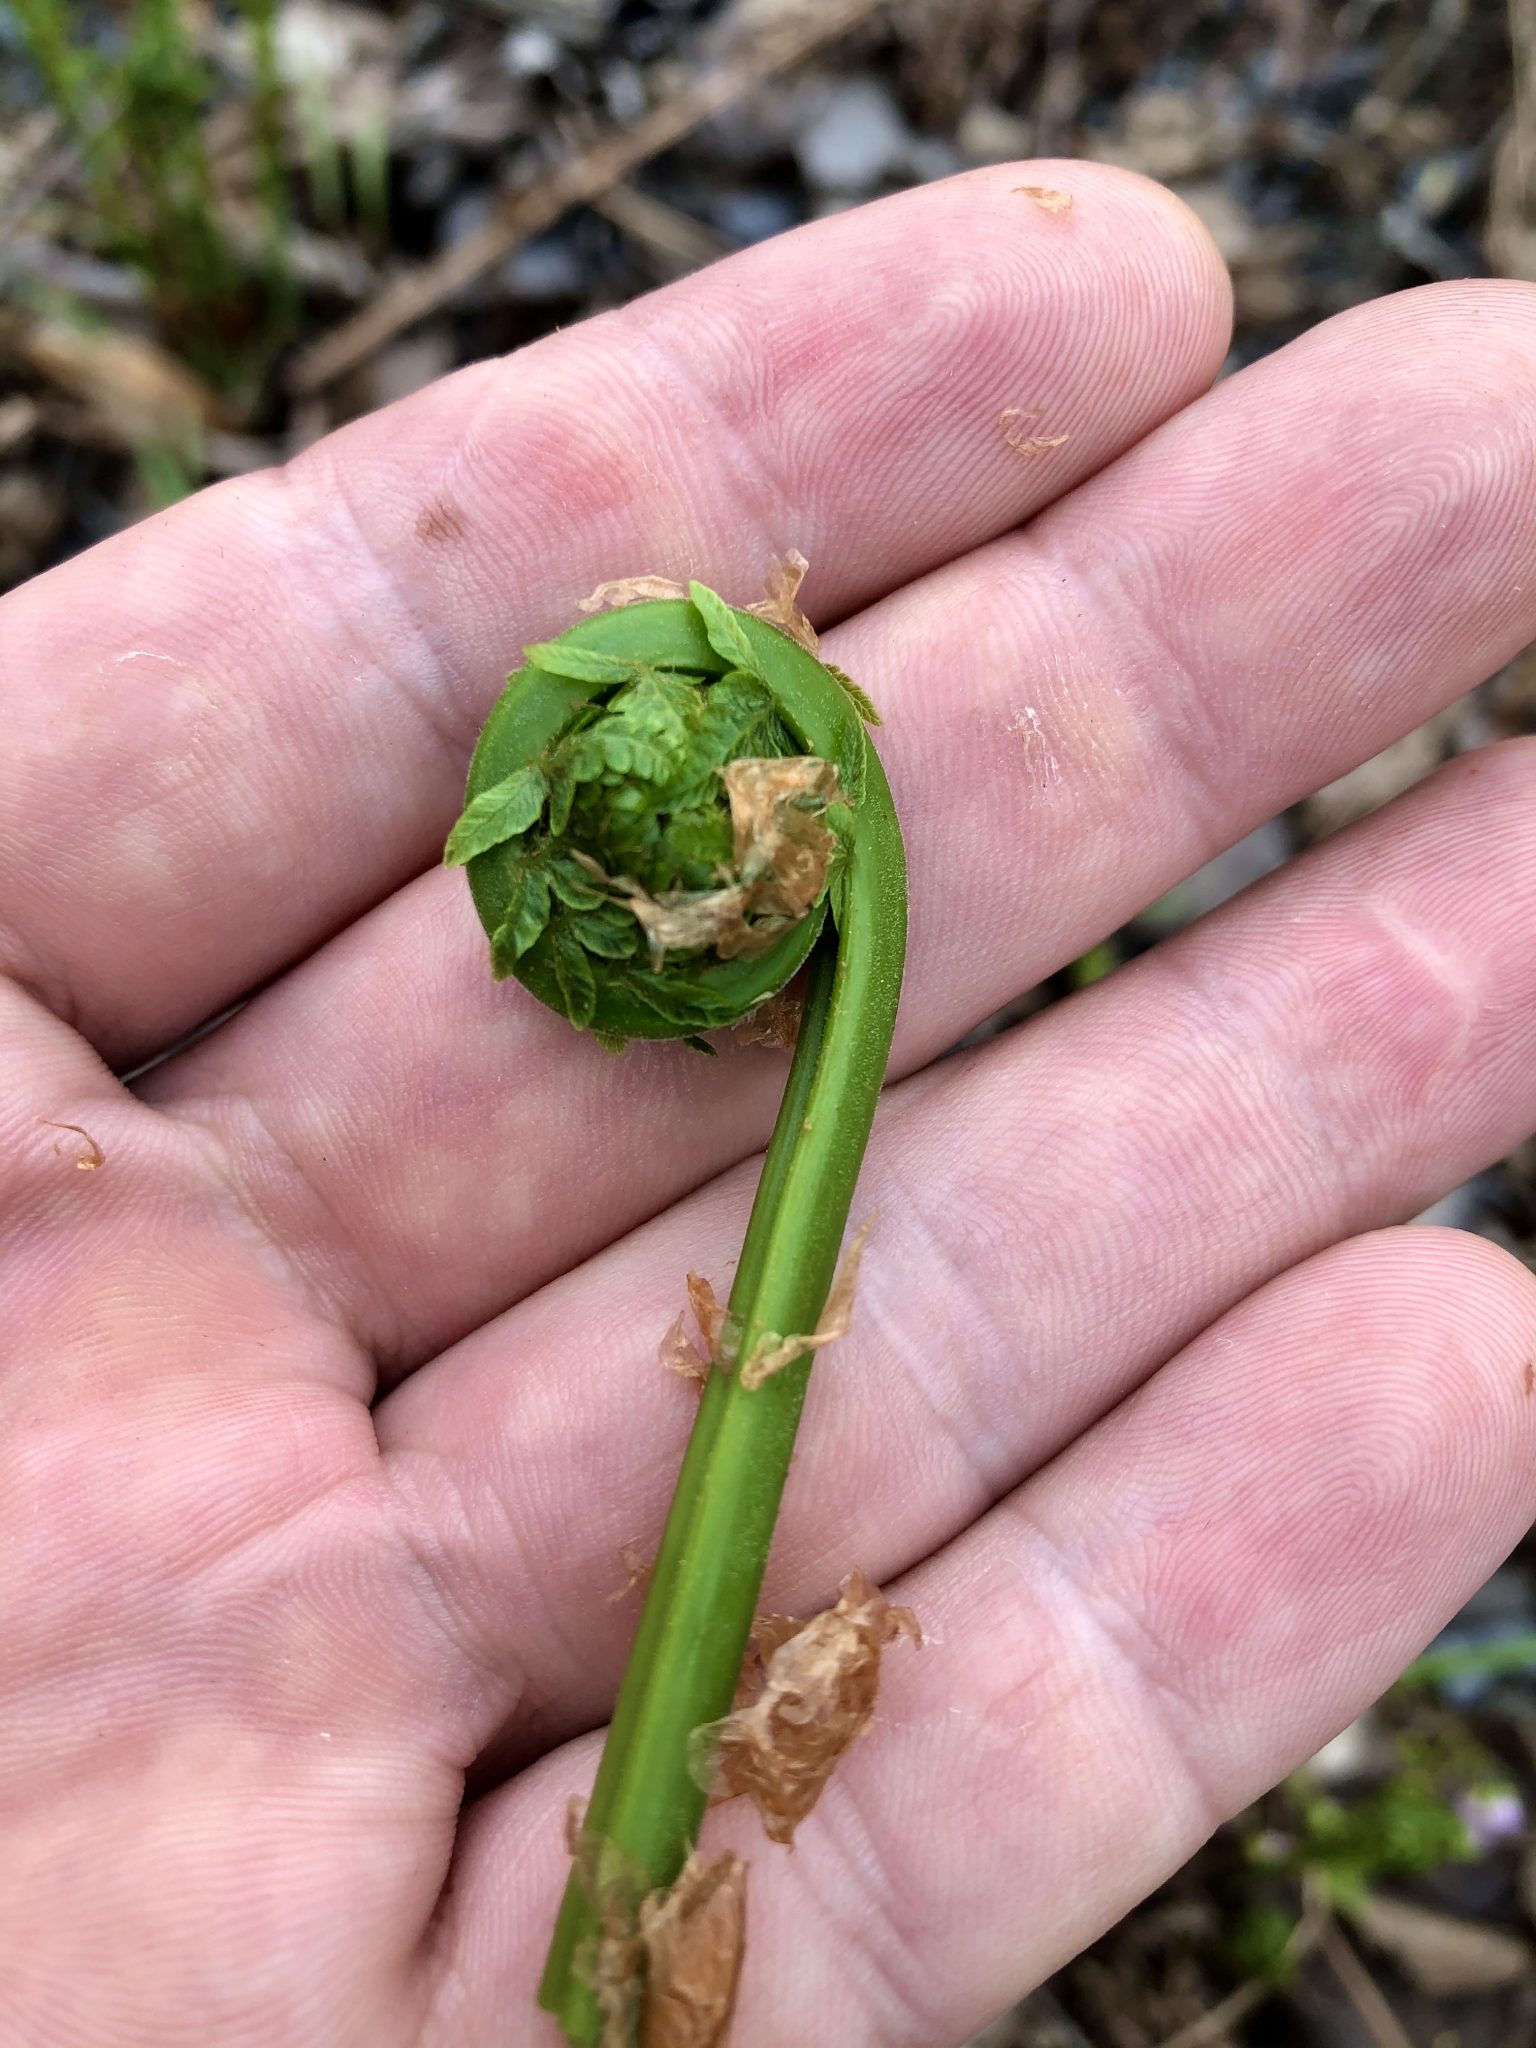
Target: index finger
{"x":233,"y":728}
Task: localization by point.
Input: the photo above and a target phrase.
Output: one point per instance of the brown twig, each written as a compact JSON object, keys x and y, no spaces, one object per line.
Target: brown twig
{"x":601,"y":167}
{"x":1510,"y":243}
{"x":677,"y":241}
{"x":1212,"y":2027}
{"x":1361,"y":1989}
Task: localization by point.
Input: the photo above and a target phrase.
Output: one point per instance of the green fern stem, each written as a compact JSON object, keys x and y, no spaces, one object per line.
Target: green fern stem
{"x":622,"y":733}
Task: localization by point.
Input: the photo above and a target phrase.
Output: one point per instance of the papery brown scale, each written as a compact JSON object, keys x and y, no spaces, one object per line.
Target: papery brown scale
{"x":638,"y":1566}
{"x":818,"y":1695}
{"x":624,"y":590}
{"x":718,"y":1335}
{"x":773,"y":1352}
{"x":678,"y":1353}
{"x":693,"y":1939}
{"x":780,"y":847}
{"x":781,"y":607}
{"x":1015,"y":421}
{"x":774,"y":1023}
{"x":688,"y":920}
{"x":1047,"y":197}
{"x":709,"y":1313}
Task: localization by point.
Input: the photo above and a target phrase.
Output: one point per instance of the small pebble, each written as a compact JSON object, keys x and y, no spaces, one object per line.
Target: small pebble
{"x":856,"y":138}
{"x":752,"y":216}
{"x":530,"y":51}
{"x":548,"y":268}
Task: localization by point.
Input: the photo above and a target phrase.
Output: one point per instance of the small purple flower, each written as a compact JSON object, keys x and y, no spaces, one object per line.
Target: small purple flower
{"x":1492,"y":1814}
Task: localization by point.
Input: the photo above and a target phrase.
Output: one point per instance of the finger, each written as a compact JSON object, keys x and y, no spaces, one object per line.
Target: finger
{"x":1057,"y":1213}
{"x":1303,"y":565}
{"x":234,"y":727}
{"x":1184,"y":1606}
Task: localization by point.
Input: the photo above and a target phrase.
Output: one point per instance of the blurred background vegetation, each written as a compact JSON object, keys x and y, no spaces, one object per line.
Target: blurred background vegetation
{"x":226,"y":228}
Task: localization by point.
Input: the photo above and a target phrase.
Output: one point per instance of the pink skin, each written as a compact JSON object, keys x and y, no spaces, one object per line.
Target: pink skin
{"x":1177,"y":1465}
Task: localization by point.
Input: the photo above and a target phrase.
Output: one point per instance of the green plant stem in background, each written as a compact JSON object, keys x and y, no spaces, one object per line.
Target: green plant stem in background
{"x":267,"y":102}
{"x":648,"y":1800}
{"x":1508,"y":1657}
{"x":134,"y":102}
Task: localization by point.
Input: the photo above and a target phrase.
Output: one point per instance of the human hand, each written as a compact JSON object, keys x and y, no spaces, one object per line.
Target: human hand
{"x":1176,"y":1465}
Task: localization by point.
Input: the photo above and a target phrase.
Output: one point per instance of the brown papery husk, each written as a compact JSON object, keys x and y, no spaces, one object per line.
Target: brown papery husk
{"x":781,"y":849}
{"x":781,"y":845}
{"x":779,"y":608}
{"x":772,"y":1352}
{"x":612,"y":1962}
{"x":775,"y":1022}
{"x":693,"y":1938}
{"x":624,"y":590}
{"x":818,"y":1695}
{"x":718,"y":1334}
{"x":664,"y":1965}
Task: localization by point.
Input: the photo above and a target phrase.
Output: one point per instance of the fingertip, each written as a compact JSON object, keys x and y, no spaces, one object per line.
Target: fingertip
{"x":1155,"y":230}
{"x":1442,"y":1324}
{"x":1148,"y":209}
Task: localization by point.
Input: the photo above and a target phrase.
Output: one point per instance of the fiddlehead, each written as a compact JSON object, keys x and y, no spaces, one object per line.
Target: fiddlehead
{"x":658,"y":810}
{"x":672,"y":808}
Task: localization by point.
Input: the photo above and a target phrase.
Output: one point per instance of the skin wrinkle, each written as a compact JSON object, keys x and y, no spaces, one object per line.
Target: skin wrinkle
{"x":1347,"y":1148}
{"x":1339,"y":1153}
{"x":1134,"y":1645}
{"x":1441,"y":970}
{"x":760,"y":500}
{"x":864,"y":1914}
{"x":1280,"y":1066}
{"x":23,"y":971}
{"x":498,"y":1676}
{"x":511,"y":1699}
{"x":902,"y":1345}
{"x":484,"y":462}
{"x":213,"y":1120}
{"x":426,"y":684}
{"x":1190,"y":727}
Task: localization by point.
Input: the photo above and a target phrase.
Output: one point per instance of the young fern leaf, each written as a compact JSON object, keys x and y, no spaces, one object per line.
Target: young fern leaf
{"x":672,"y":809}
{"x":502,"y":812}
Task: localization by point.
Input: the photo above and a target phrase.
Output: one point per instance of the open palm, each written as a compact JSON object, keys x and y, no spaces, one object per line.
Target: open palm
{"x":330,"y":1399}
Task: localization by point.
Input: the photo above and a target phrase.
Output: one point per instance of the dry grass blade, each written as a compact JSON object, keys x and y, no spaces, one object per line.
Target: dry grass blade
{"x":676,"y":241}
{"x":1511,"y":234}
{"x":1376,"y":2016}
{"x":136,"y":389}
{"x":784,"y":43}
{"x":1213,"y":2028}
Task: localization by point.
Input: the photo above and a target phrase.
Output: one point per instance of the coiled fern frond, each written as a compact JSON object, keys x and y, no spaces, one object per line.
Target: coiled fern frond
{"x":659,"y":809}
{"x":674,"y":807}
